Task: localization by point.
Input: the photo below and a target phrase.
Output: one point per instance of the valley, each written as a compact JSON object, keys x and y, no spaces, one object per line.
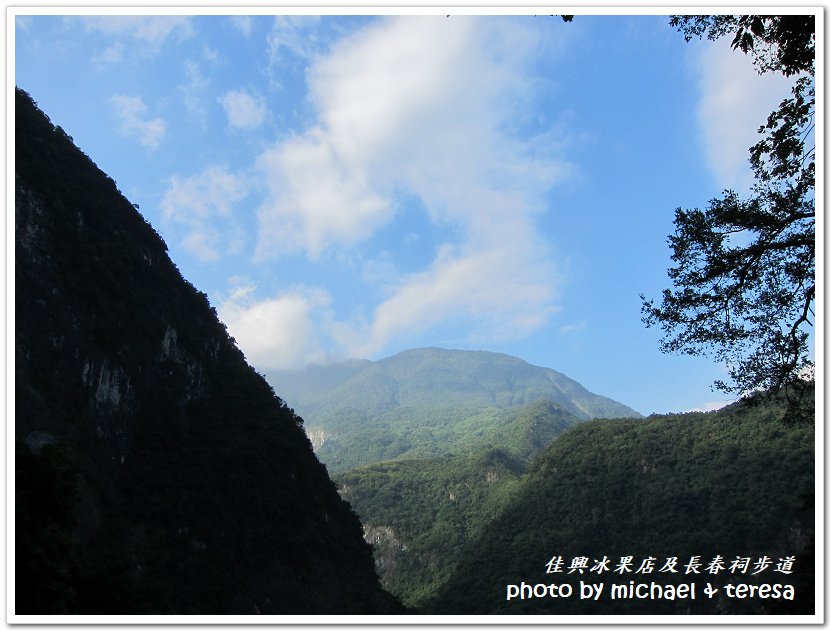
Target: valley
{"x":459,"y":496}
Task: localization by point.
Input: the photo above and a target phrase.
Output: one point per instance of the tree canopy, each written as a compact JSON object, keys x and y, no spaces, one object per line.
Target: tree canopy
{"x":744,"y":269}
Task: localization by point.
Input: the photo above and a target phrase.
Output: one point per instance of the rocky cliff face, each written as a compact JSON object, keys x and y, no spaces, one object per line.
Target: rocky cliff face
{"x":155,"y":471}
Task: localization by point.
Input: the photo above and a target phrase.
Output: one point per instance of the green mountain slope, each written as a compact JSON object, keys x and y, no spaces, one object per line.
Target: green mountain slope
{"x":155,"y":471}
{"x":736,"y":483}
{"x":425,"y":402}
{"x":419,"y":513}
{"x":424,"y":433}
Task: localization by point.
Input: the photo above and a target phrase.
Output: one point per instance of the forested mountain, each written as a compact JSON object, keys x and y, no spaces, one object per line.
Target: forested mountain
{"x":450,"y":533}
{"x":424,"y":403}
{"x":418,"y":513}
{"x":737,"y":483}
{"x":155,"y":471}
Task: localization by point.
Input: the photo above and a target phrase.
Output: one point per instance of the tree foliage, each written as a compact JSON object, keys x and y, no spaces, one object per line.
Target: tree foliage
{"x":744,"y":269}
{"x":734,"y":482}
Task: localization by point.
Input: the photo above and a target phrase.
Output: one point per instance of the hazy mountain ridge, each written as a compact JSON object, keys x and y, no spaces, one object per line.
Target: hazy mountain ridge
{"x":425,"y":402}
{"x":155,"y":470}
{"x":438,"y":378}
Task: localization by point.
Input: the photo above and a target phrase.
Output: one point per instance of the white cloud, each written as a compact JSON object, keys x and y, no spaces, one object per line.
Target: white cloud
{"x":424,"y":105}
{"x":316,"y":199}
{"x":490,"y":292}
{"x":734,"y":102}
{"x":278,"y":333}
{"x":204,"y":206}
{"x":134,"y":121}
{"x":419,"y":104}
{"x":244,"y":110}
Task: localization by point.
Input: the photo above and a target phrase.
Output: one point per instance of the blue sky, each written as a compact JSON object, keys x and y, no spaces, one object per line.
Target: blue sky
{"x":358,"y":185}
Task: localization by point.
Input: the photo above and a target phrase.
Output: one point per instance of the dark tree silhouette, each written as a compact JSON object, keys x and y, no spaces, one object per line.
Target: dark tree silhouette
{"x":744,"y":269}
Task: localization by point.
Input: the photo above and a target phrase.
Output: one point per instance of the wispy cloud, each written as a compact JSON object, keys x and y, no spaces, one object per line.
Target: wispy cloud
{"x":734,"y":102}
{"x":210,"y":54}
{"x":110,"y":55}
{"x":243,"y":23}
{"x":142,"y":36}
{"x":244,"y":110}
{"x":22,"y":22}
{"x":134,"y":120}
{"x":429,"y":107}
{"x":193,"y":92}
{"x":570,"y":329}
{"x":204,"y":206}
{"x":294,"y":34}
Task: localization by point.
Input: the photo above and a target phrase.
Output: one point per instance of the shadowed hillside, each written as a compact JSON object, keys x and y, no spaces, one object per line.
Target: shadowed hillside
{"x":155,"y":470}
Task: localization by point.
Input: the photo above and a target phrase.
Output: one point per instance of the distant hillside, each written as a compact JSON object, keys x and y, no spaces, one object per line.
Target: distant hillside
{"x":734,"y":483}
{"x":155,"y":471}
{"x":425,"y":402}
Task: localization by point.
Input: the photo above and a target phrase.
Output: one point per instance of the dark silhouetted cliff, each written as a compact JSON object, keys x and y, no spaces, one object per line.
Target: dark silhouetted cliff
{"x":155,"y":470}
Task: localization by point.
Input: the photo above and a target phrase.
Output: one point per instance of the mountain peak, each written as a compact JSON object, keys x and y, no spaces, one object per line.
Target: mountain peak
{"x":425,"y":401}
{"x":439,"y":377}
